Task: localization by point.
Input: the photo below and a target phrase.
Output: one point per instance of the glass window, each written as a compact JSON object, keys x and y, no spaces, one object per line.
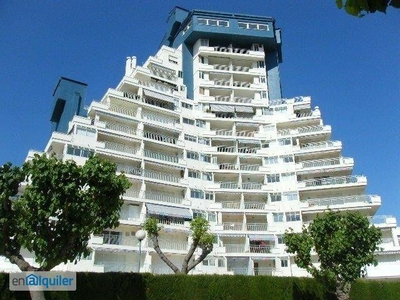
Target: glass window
{"x":291,"y":196}
{"x":194,"y":174}
{"x":204,"y":141}
{"x":209,"y":195}
{"x":188,"y":121}
{"x":285,"y":142}
{"x":292,"y":216}
{"x":271,"y":160}
{"x":280,"y":240}
{"x":207,"y":176}
{"x":190,"y":138}
{"x":273,"y":178}
{"x":275,"y":197}
{"x":284,"y":263}
{"x":278,"y":217}
{"x":212,"y":216}
{"x":192,"y":155}
{"x":186,"y":105}
{"x":206,"y":158}
{"x":201,"y":123}
{"x":287,"y":158}
{"x":199,"y":194}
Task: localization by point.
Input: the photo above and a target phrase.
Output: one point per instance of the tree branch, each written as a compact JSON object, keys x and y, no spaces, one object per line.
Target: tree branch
{"x":156,"y":246}
{"x":205,"y":251}
{"x":188,"y":256}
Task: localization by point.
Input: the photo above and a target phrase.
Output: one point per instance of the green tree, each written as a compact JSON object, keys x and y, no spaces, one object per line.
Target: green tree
{"x":345,"y":243}
{"x":61,"y":206}
{"x":201,"y":237}
{"x":359,"y":8}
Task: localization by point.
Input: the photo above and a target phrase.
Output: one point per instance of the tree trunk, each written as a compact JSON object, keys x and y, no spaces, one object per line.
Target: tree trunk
{"x":37,"y":295}
{"x":342,"y":291}
{"x":161,"y":254}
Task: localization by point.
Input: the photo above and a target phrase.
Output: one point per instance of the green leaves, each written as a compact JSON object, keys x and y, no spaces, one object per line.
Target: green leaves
{"x":345,"y":244}
{"x":151,"y":226}
{"x":359,"y":8}
{"x":64,"y":204}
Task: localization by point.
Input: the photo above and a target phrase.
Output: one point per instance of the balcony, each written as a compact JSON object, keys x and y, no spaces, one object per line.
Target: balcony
{"x":223,"y":132}
{"x":235,"y":248}
{"x":171,"y":221}
{"x":154,"y":117}
{"x":340,"y":200}
{"x":129,"y":170}
{"x":334,"y":181}
{"x":230,"y":205}
{"x":326,"y":162}
{"x":254,"y":205}
{"x":264,"y":271}
{"x":257,"y":226}
{"x":120,"y":128}
{"x":227,"y":166}
{"x":252,"y":185}
{"x":160,"y":137}
{"x":130,"y":192}
{"x":260,"y":249}
{"x":123,"y":110}
{"x":161,"y":156}
{"x":383,"y":220}
{"x":234,"y":226}
{"x":249,"y":167}
{"x":121,"y":148}
{"x":171,"y":245}
{"x":161,"y":176}
{"x":319,"y":129}
{"x":228,"y":185}
{"x":163,"y":197}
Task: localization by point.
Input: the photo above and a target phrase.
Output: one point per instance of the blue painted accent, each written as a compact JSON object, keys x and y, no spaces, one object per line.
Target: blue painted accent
{"x":69,"y":100}
{"x":179,"y":18}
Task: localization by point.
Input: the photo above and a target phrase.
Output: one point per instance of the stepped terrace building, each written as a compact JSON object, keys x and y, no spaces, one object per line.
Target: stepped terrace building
{"x":201,"y":129}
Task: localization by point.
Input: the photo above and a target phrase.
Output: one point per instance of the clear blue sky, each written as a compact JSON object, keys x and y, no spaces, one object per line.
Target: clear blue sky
{"x":349,"y":66}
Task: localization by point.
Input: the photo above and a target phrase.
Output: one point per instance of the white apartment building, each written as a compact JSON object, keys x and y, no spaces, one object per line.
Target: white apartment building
{"x":201,"y":128}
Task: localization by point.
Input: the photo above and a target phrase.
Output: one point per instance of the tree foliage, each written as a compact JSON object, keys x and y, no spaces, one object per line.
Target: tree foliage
{"x":62,"y":205}
{"x":201,"y":238}
{"x":345,"y":244}
{"x":361,"y":7}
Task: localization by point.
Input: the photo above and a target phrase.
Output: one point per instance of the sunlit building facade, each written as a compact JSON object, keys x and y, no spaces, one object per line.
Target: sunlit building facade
{"x":201,"y":129}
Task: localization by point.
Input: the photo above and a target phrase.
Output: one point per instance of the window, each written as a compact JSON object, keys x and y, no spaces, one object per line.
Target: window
{"x":280,"y":109}
{"x":254,"y":26}
{"x":85,"y":131}
{"x":202,"y":91}
{"x":280,"y":240}
{"x":262,"y":79}
{"x":292,"y":216}
{"x":212,"y":216}
{"x":278,"y":217}
{"x":201,"y":75}
{"x":261,"y":64}
{"x":190,"y":138}
{"x":207,"y":176}
{"x":192,"y":155}
{"x":221,"y":263}
{"x":78,"y":151}
{"x":285,"y":142}
{"x":204,"y":141}
{"x":287,"y":158}
{"x":284,"y":263}
{"x":188,"y":121}
{"x":180,"y":74}
{"x":209,"y":196}
{"x":201,"y":123}
{"x":187,"y":27}
{"x":205,"y":158}
{"x":199,"y":194}
{"x":273,"y":178}
{"x":291,"y":196}
{"x":186,"y":105}
{"x":275,"y":197}
{"x":173,"y":60}
{"x":271,"y":160}
{"x":213,"y":22}
{"x":199,"y":214}
{"x":204,"y":42}
{"x":264,"y":95}
{"x":194,"y":174}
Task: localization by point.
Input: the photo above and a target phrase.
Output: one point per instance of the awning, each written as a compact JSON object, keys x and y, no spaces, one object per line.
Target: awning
{"x":159,"y":96}
{"x":222,"y":108}
{"x":244,"y":109}
{"x":169,"y":211}
{"x":261,"y":237}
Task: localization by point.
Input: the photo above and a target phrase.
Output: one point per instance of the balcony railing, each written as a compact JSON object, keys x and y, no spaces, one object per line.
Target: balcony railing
{"x":235,"y":248}
{"x":232,"y":226}
{"x":229,"y":149}
{"x":310,"y":129}
{"x":252,"y":186}
{"x":380,"y":219}
{"x":161,"y":176}
{"x":246,"y":133}
{"x":129,"y":170}
{"x":163,"y":197}
{"x":132,"y":193}
{"x":159,"y":137}
{"x":171,"y":245}
{"x":320,"y":145}
{"x":254,"y":205}
{"x":121,"y":148}
{"x":228,"y":185}
{"x":230,"y":204}
{"x":339,"y":200}
{"x":120,"y":128}
{"x":247,"y":150}
{"x":161,"y":156}
{"x":240,"y":271}
{"x":249,"y":167}
{"x":333,"y":180}
{"x":260,"y":249}
{"x":242,"y":99}
{"x":227,"y":166}
{"x":321,"y":162}
{"x":159,"y":118}
{"x":264,"y":271}
{"x":171,"y":221}
{"x":223,"y":132}
{"x":123,"y":110}
{"x":257,"y":227}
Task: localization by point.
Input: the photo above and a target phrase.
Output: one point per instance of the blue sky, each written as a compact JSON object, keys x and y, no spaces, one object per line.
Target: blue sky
{"x":349,"y":66}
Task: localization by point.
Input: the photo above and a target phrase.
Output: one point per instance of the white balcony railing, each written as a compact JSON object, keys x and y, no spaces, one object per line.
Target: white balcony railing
{"x":161,"y":176}
{"x":160,"y":137}
{"x":252,"y":186}
{"x":233,"y":226}
{"x":228,"y":185}
{"x":230,"y":204}
{"x":254,"y":205}
{"x":120,"y":147}
{"x":334,"y":180}
{"x":158,"y":118}
{"x":235,"y":248}
{"x":320,"y":145}
{"x":227,"y":166}
{"x":120,"y":128}
{"x":161,"y":156}
{"x":257,"y":227}
{"x":223,"y":132}
{"x":381,"y":219}
{"x":171,"y":245}
{"x":129,"y":170}
{"x":339,"y":200}
{"x":163,"y":197}
{"x":132,"y":193}
{"x":123,"y":110}
{"x":260,"y":249}
{"x":249,"y":167}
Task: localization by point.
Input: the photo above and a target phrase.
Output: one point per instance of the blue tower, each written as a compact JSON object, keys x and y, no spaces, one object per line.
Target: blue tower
{"x":69,"y":99}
